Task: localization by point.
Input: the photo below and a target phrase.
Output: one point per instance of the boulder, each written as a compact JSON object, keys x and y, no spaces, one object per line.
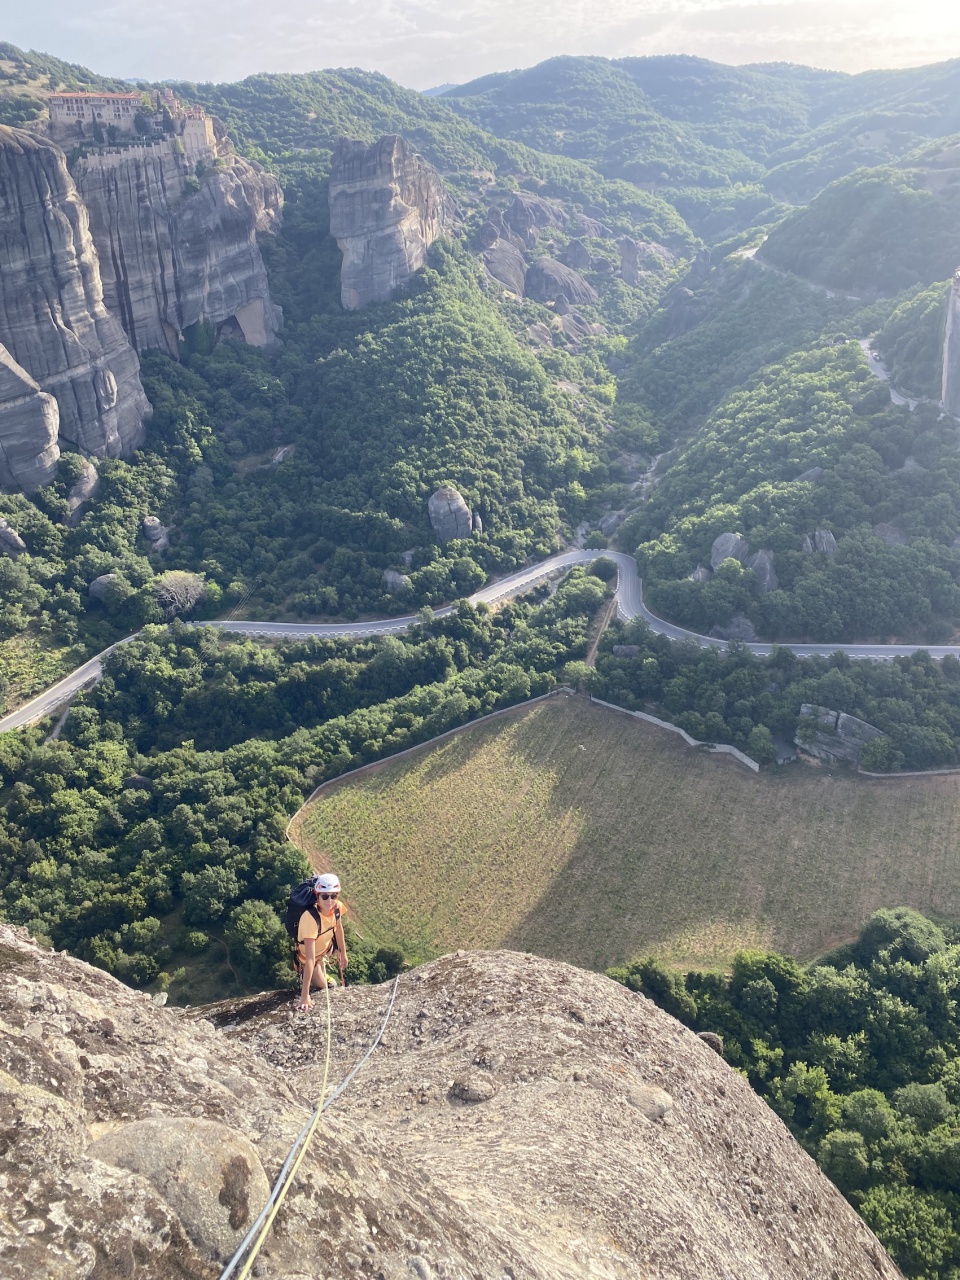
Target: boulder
{"x":762,"y":566}
{"x":99,"y":588}
{"x":153,"y":530}
{"x":209,"y":1175}
{"x":449,"y":514}
{"x":824,"y":541}
{"x":595,"y":228}
{"x":546,"y":279}
{"x":738,"y":628}
{"x":602,"y":266}
{"x":890,"y":534}
{"x":833,"y":735}
{"x":576,"y":255}
{"x":477,"y":523}
{"x":506,"y":264}
{"x":394,"y":582}
{"x":85,"y":487}
{"x":11,"y":544}
{"x":806,"y":546}
{"x":701,"y":574}
{"x":728,"y":546}
{"x":810,"y":476}
{"x":387,"y":206}
{"x":633,"y":253}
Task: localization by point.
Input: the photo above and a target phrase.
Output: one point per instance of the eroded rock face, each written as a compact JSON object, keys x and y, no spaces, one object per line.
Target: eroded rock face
{"x":53,"y":320}
{"x":766,"y":575}
{"x":950,"y":386}
{"x":136,"y":1138}
{"x":449,"y":514}
{"x":505,"y":263}
{"x":546,"y":280}
{"x":387,"y":206}
{"x":170,"y":259}
{"x":738,"y":628}
{"x":29,"y":425}
{"x":833,"y":735}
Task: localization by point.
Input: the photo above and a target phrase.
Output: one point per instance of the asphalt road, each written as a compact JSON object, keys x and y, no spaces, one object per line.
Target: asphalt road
{"x":629,"y":602}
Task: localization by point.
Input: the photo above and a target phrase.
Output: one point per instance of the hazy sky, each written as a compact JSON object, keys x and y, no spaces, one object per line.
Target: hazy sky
{"x":422,"y":43}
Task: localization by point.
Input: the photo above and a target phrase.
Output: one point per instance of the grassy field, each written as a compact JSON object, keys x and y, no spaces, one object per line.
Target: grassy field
{"x":581,"y":834}
{"x":29,"y":664}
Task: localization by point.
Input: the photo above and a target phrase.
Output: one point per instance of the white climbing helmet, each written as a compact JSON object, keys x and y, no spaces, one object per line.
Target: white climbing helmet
{"x":326,"y":883}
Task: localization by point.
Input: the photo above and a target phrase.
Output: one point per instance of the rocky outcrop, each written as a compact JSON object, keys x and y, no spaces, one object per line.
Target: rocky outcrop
{"x":171,"y":258}
{"x":738,"y":628}
{"x":139,"y":1141}
{"x":387,"y":206}
{"x":766,"y":575}
{"x":53,"y":321}
{"x":11,"y":544}
{"x":528,"y":214}
{"x":633,"y":254}
{"x":576,"y":255}
{"x":506,"y":264}
{"x":950,"y":385}
{"x":394,"y":581}
{"x":449,"y":514}
{"x":728,"y":546}
{"x":546,"y":280}
{"x":85,"y":487}
{"x":833,"y":735}
{"x":29,"y":425}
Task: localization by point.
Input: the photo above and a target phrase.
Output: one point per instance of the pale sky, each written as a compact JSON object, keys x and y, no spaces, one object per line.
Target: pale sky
{"x":422,"y":43}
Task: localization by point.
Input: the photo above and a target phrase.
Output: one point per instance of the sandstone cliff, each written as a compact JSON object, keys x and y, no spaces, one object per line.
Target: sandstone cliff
{"x":521,"y":1119}
{"x":169,"y":258}
{"x":29,"y":420}
{"x":950,"y":393}
{"x":53,"y":320}
{"x":387,"y":206}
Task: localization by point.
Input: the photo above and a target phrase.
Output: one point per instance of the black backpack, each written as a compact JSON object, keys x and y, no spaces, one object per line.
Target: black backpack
{"x":304,"y":899}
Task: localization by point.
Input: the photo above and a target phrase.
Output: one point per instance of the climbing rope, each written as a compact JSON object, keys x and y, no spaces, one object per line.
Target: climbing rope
{"x":258,"y":1232}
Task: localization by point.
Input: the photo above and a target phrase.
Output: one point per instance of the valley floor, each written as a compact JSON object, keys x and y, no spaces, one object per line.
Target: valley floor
{"x":579,"y":834}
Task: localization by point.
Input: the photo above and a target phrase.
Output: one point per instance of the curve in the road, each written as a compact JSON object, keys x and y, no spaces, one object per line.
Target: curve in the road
{"x":629,"y":605}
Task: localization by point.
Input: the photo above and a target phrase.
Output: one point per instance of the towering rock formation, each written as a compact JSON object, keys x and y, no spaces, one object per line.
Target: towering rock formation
{"x":387,"y":206}
{"x":950,"y":391}
{"x":52,"y":318}
{"x":29,"y":420}
{"x":170,"y":258}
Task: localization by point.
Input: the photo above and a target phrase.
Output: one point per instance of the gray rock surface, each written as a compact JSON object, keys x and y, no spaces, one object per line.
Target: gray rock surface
{"x":823,"y":540}
{"x":99,"y":588}
{"x":11,"y":544}
{"x":53,"y":320}
{"x":528,"y":214}
{"x":633,"y":253}
{"x":170,"y":259}
{"x":85,"y":487}
{"x":950,"y":385}
{"x":210,"y":1176}
{"x":387,"y":206}
{"x":625,"y":650}
{"x":477,"y":523}
{"x":29,"y":426}
{"x":547,"y":279}
{"x":810,"y":476}
{"x":576,"y":255}
{"x":766,"y":575}
{"x":728,"y":546}
{"x":738,"y":628}
{"x":701,"y":574}
{"x":696,"y":1179}
{"x":833,"y":735}
{"x":611,"y":522}
{"x":506,"y":264}
{"x":449,"y":514}
{"x":394,"y":581}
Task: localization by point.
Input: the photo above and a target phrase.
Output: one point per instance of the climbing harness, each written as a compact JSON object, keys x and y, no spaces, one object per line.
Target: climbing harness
{"x":255,"y":1237}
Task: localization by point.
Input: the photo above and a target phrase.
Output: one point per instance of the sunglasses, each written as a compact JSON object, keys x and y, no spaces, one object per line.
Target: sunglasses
{"x":326,"y":896}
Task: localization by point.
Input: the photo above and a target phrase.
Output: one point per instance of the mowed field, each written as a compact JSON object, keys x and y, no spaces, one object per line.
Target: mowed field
{"x":581,"y":834}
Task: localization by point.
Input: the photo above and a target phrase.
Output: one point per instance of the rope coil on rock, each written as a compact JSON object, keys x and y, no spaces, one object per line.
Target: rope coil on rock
{"x":255,"y":1237}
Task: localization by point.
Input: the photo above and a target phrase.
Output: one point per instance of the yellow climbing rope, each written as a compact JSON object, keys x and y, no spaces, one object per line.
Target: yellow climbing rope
{"x":291,"y":1173}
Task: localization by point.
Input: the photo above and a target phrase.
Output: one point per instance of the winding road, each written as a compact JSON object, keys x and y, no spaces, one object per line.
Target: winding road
{"x":629,"y":605}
